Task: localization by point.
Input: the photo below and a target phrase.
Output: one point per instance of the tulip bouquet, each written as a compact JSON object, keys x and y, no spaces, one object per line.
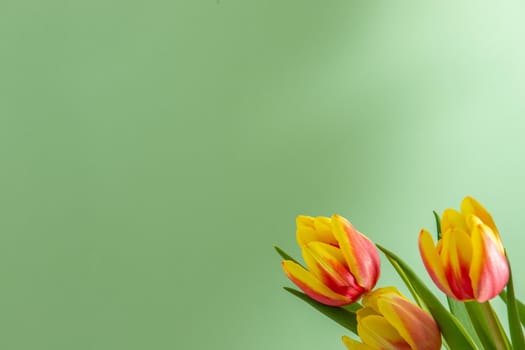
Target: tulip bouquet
{"x":469,"y":264}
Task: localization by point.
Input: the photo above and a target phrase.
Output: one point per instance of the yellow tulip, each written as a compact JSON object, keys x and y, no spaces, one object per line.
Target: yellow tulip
{"x":389,"y":321}
{"x":342,"y":263}
{"x":469,"y":261}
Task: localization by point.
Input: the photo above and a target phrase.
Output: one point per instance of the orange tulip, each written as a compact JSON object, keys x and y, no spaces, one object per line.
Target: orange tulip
{"x":342,"y":263}
{"x":390,"y":321}
{"x":469,"y":261}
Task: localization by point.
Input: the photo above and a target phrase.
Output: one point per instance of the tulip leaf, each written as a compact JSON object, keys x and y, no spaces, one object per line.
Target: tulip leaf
{"x":458,"y":309}
{"x":438,"y":224}
{"x":453,"y":332}
{"x":353,"y":307}
{"x":487,"y":326}
{"x":521,"y":306}
{"x":285,"y":255}
{"x":408,"y":283}
{"x":344,"y":317}
{"x":516,"y":332}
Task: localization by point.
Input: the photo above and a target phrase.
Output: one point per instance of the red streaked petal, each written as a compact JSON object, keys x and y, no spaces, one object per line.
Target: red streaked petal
{"x":311,"y":286}
{"x":414,"y":325}
{"x":433,"y":262}
{"x":457,"y":257}
{"x":489,"y":269}
{"x":328,"y":264}
{"x":322,"y":259}
{"x":360,"y":253}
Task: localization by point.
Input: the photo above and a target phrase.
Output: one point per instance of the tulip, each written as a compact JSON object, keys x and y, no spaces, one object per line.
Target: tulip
{"x":342,"y":263}
{"x":389,"y":321}
{"x":469,"y":261}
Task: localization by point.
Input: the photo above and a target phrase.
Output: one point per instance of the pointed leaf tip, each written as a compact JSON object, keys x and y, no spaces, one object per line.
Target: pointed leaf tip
{"x":438,"y":224}
{"x":342,"y":316}
{"x":284,"y":255}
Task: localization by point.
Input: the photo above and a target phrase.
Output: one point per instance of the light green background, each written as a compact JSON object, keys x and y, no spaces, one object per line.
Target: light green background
{"x":152,"y":152}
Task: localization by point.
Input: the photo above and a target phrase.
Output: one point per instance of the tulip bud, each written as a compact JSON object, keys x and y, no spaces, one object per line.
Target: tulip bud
{"x":342,"y":263}
{"x":469,"y":261}
{"x":389,"y":320}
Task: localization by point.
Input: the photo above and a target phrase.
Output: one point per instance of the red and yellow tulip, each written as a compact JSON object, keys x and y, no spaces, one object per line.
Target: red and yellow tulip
{"x":390,"y":321}
{"x":342,"y":263}
{"x":469,"y":261}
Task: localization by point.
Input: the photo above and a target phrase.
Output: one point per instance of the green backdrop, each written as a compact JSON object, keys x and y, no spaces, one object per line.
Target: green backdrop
{"x":152,"y":152}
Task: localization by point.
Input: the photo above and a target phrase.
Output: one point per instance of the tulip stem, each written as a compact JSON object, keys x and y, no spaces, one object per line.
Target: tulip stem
{"x":516,"y":332}
{"x":521,"y":307}
{"x":488,"y":326}
{"x":502,"y":341}
{"x":459,"y":310}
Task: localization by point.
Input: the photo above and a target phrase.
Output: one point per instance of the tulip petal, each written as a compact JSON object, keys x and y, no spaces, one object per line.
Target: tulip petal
{"x":352,"y":344}
{"x":452,"y":219}
{"x":379,"y":334}
{"x":414,"y":325}
{"x":371,"y":300}
{"x":457,"y":257}
{"x":360,"y":253}
{"x":327,"y":263}
{"x":489,"y":269}
{"x":475,"y":222}
{"x":367,"y":310}
{"x":470,"y":206}
{"x":322,"y":259}
{"x":433,"y":262}
{"x":312,"y":286}
{"x":310,"y":229}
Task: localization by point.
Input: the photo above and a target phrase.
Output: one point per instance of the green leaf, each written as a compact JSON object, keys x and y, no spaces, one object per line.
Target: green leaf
{"x":344,"y":317}
{"x":487,"y":326}
{"x":411,"y":288}
{"x":453,"y":332}
{"x":353,"y":307}
{"x":407,"y":282}
{"x":284,"y":255}
{"x":521,"y":306}
{"x":459,"y":310}
{"x":438,"y":224}
{"x":516,"y":332}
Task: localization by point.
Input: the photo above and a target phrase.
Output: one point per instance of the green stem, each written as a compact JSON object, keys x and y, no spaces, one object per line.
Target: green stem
{"x":516,"y":332}
{"x":459,"y":309}
{"x":502,"y":341}
{"x":488,"y":326}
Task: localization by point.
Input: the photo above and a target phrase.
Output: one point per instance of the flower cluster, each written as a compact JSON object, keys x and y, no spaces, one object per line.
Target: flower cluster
{"x":468,"y":264}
